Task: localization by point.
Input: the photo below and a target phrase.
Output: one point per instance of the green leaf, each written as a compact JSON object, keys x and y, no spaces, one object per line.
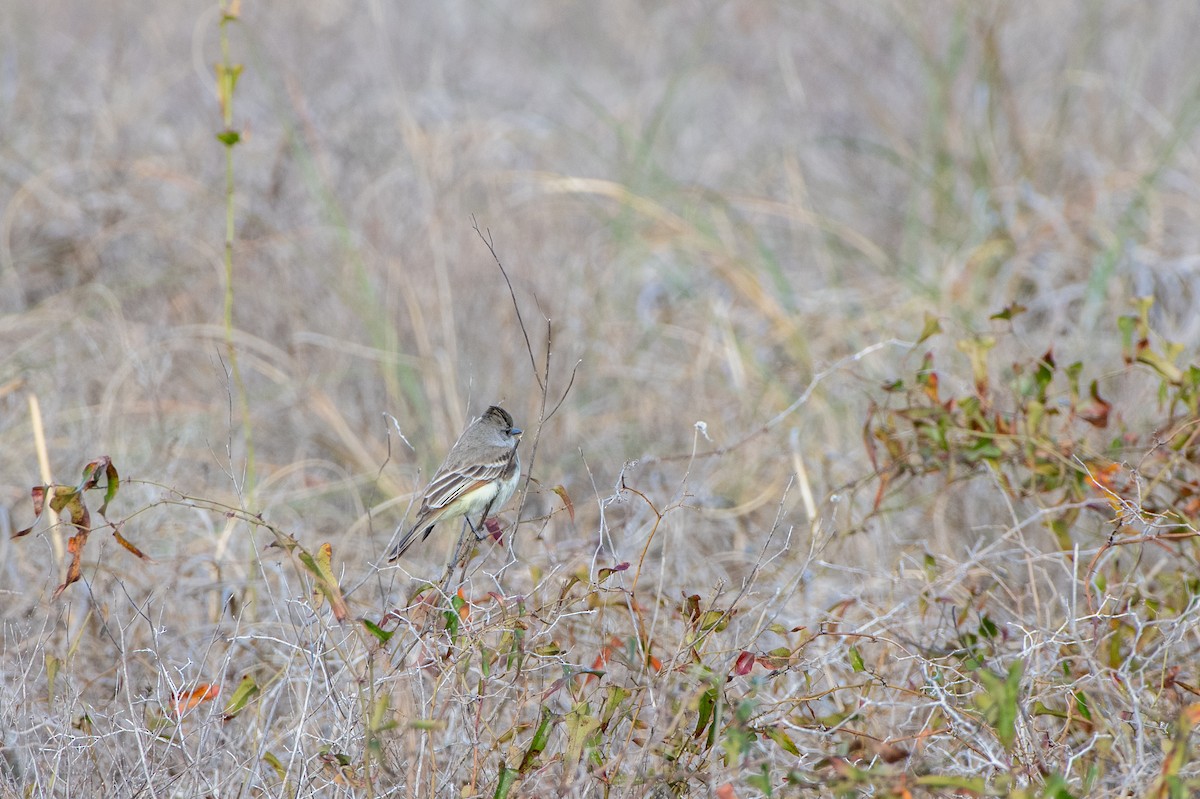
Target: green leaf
{"x":987,"y":628}
{"x":856,"y":661}
{"x":246,"y":690}
{"x":931,"y":327}
{"x":1015,"y":309}
{"x":229,"y":137}
{"x":1167,"y":370}
{"x":1081,"y":704}
{"x":926,"y":374}
{"x":983,"y":449}
{"x":1126,"y":325}
{"x":1042,"y":709}
{"x":381,"y":720}
{"x":1056,"y":788}
{"x":517,"y":650}
{"x":374,"y":629}
{"x":427,"y":725}
{"x":505,"y":783}
{"x":714,"y":619}
{"x":707,"y":708}
{"x":975,"y":785}
{"x":782,"y":739}
{"x":581,"y":727}
{"x":616,"y":697}
{"x":486,"y":658}
{"x":1044,"y":373}
{"x":1073,"y":372}
{"x":999,"y":703}
{"x":274,"y":763}
{"x":761,"y":781}
{"x":1035,"y":413}
{"x":91,"y":478}
{"x":538,"y":744}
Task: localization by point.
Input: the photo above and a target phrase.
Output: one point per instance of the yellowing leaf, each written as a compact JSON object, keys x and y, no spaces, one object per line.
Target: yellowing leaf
{"x":566,"y":498}
{"x":325,"y":583}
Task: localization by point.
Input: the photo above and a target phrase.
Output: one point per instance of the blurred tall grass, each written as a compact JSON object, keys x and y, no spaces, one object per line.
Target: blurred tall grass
{"x":705,"y":204}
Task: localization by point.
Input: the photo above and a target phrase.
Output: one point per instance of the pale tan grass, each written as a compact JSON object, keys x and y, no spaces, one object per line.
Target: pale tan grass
{"x":731,"y":215}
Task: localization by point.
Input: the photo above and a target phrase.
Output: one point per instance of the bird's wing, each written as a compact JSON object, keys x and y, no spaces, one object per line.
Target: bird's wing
{"x":450,"y":484}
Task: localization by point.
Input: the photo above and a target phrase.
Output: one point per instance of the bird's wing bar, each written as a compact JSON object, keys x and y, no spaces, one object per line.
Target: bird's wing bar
{"x":451,"y":485}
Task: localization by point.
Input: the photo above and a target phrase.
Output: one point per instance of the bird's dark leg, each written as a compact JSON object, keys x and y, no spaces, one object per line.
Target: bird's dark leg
{"x":463,"y":545}
{"x":459,"y":549}
{"x":479,"y":536}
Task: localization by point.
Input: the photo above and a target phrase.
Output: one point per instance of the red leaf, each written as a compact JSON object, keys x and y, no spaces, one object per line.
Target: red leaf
{"x":38,"y":493}
{"x":745,"y":662}
{"x":608,"y":571}
{"x":493,"y":528}
{"x":1096,"y":412}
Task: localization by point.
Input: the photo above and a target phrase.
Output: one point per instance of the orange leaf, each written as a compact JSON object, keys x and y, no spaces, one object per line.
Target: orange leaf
{"x":204,"y":692}
{"x":125,"y":542}
{"x":726,"y":791}
{"x":71,"y":501}
{"x":464,"y":610}
{"x":931,"y":387}
{"x":1104,"y":477}
{"x":601,"y":660}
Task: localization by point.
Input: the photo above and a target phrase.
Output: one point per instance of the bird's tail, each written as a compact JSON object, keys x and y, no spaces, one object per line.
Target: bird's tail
{"x":407,"y":540}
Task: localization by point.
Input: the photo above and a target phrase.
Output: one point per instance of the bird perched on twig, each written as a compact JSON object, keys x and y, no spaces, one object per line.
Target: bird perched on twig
{"x":478,"y":477}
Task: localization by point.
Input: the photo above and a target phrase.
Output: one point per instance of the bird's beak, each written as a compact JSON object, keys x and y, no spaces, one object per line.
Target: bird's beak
{"x":515,"y":431}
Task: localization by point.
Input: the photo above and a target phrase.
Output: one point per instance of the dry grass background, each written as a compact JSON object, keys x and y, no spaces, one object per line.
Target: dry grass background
{"x":712,"y":207}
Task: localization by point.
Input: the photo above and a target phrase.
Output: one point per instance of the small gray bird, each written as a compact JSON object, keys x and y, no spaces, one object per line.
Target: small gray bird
{"x":478,"y":476}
